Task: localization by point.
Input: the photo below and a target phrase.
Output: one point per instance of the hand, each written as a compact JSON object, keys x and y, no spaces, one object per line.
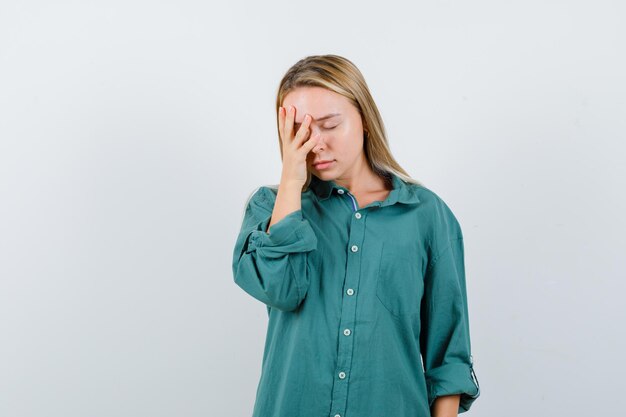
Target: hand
{"x":295,"y":149}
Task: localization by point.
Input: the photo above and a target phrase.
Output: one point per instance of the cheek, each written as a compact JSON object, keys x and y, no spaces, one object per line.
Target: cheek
{"x":348,"y":140}
{"x":342,"y":141}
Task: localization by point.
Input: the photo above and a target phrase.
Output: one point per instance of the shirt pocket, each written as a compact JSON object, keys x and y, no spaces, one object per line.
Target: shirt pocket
{"x":399,"y":286}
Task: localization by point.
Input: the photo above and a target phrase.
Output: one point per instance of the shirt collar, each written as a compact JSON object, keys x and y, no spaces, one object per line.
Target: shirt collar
{"x":401,"y":192}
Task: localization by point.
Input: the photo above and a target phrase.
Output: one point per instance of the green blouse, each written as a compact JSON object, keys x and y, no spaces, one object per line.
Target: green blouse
{"x":367,"y":306}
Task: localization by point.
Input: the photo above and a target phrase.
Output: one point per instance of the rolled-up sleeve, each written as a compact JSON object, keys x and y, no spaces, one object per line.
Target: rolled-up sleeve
{"x":272,"y":267}
{"x":444,"y":338}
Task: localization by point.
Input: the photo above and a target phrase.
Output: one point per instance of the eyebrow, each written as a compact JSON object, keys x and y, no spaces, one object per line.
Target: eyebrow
{"x":328,"y":116}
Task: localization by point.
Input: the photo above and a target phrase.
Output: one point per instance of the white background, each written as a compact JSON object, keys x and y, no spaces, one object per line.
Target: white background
{"x":132,"y":132}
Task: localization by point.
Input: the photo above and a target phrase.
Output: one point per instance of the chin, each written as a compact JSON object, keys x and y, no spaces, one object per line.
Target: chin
{"x":324,"y":174}
{"x":327,"y":177}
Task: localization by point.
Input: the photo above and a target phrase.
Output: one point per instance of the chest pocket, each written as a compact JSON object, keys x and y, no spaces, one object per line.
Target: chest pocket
{"x":399,"y":286}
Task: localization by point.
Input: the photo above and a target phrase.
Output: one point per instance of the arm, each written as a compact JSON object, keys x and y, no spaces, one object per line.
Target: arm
{"x":288,"y":200}
{"x":444,"y":337}
{"x":446,"y":406}
{"x":272,"y":267}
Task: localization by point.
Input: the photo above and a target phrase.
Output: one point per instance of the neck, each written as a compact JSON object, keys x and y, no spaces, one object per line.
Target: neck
{"x":362,"y":179}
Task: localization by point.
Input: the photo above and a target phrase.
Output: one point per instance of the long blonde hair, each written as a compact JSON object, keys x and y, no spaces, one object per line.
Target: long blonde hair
{"x":340,"y":75}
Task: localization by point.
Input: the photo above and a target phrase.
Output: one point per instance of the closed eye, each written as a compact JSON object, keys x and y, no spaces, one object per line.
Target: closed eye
{"x":296,"y":127}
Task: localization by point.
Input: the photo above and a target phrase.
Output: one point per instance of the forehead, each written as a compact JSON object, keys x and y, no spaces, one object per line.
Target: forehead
{"x":316,"y":101}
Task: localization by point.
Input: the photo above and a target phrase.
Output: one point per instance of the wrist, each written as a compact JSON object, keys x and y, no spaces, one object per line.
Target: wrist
{"x":289,"y":184}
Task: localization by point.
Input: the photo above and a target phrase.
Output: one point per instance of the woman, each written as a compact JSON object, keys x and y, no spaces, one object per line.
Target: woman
{"x":361,"y":267}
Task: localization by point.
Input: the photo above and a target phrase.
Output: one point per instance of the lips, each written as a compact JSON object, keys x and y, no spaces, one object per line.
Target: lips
{"x":322,"y":162}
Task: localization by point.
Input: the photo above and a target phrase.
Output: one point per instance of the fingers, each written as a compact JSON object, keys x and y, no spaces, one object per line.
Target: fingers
{"x":286,"y":119}
{"x":288,"y":128}
{"x":310,"y":144}
{"x":281,"y":122}
{"x":303,"y":132}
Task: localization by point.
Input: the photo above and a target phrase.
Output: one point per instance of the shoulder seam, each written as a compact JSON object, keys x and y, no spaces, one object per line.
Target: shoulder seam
{"x":451,"y":239}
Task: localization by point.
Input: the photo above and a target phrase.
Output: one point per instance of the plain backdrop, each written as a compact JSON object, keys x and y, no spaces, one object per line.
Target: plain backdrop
{"x":132,"y":133}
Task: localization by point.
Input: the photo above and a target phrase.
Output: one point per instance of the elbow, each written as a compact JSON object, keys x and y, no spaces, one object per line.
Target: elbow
{"x":280,"y":288}
{"x":286,"y":304}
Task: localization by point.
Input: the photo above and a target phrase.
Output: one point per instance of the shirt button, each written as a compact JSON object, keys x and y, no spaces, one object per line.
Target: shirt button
{"x":354,"y":248}
{"x":346,"y":332}
{"x":342,"y":375}
{"x":337,"y":415}
{"x":357,"y":215}
{"x":340,"y":191}
{"x":350,"y":291}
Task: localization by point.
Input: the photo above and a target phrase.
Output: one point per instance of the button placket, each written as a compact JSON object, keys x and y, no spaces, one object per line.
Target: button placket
{"x":353,"y":201}
{"x":356,"y":233}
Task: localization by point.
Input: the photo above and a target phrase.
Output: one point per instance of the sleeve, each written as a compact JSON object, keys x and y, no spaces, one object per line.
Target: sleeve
{"x":444,"y":337}
{"x":272,"y":267}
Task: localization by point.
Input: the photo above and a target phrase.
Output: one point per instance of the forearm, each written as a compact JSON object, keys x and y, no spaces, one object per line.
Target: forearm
{"x":446,"y":406}
{"x":288,"y":200}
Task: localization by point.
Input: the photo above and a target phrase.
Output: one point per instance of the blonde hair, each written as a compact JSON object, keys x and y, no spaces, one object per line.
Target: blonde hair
{"x":341,"y":76}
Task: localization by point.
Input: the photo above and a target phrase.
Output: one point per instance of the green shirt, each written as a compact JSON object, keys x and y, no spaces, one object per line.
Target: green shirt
{"x":367,"y":306}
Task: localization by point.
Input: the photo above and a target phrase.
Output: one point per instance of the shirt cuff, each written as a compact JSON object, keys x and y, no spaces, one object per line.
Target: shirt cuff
{"x":293,"y":233}
{"x":451,"y":379}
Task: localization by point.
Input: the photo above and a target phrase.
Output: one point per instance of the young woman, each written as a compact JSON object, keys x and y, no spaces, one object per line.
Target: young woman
{"x":360,"y":266}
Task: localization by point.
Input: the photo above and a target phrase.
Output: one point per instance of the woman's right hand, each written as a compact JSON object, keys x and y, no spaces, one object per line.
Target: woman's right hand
{"x":295,"y":148}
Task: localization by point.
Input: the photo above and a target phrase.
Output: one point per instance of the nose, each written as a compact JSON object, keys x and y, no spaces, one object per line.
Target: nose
{"x":320,"y":142}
